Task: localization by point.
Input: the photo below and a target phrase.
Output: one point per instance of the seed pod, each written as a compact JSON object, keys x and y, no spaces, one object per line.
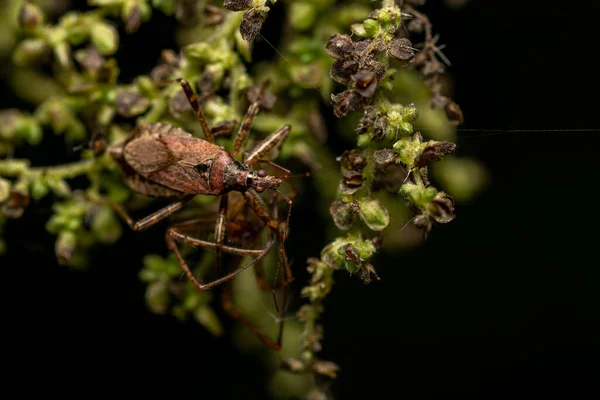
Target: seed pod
{"x":442,"y":208}
{"x":401,"y":49}
{"x":352,"y":182}
{"x":380,"y":127}
{"x":237,"y":5}
{"x":385,"y":157}
{"x":454,"y":113}
{"x":90,"y":59}
{"x":366,"y":83}
{"x":374,"y":214}
{"x":346,"y":101}
{"x":338,"y":73}
{"x":133,"y":19}
{"x":292,"y":365}
{"x":433,"y":151}
{"x":365,"y":273}
{"x":353,"y":160}
{"x":161,"y":73}
{"x":252,"y":22}
{"x":179,"y":104}
{"x":131,"y":104}
{"x":16,"y":203}
{"x":65,"y":246}
{"x":339,"y":46}
{"x":343,"y":214}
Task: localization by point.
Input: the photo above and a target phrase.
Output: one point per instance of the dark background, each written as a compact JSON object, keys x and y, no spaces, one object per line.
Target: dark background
{"x":501,"y":303}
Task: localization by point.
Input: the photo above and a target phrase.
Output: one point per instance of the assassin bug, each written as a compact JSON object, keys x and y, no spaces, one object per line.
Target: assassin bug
{"x":160,"y":160}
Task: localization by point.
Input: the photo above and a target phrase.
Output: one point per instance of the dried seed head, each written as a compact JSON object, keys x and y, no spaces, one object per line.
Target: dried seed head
{"x":161,"y":73}
{"x":385,"y":157}
{"x":252,"y":22}
{"x":343,"y":214}
{"x":353,"y":160}
{"x":351,"y":183}
{"x":442,"y":208}
{"x":292,"y":365}
{"x":433,"y":151}
{"x":170,"y":57}
{"x":360,"y":47}
{"x":326,"y":368}
{"x":130,"y":104}
{"x":346,"y":101}
{"x":179,"y":104}
{"x":366,"y":83}
{"x":378,"y":68}
{"x":365,"y":274}
{"x":339,"y":46}
{"x":401,"y":49}
{"x":134,"y":20}
{"x":454,"y":113}
{"x":338,"y":73}
{"x":15,"y":205}
{"x":423,"y":221}
{"x":380,"y":127}
{"x":90,"y":59}
{"x":237,"y":5}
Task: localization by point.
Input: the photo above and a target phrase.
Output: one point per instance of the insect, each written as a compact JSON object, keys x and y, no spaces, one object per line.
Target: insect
{"x":160,"y":160}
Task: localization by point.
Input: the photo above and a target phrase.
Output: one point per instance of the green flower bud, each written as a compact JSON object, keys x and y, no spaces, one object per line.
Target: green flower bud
{"x":65,"y":246}
{"x":157,"y":297}
{"x":407,"y":149}
{"x":374,"y":214}
{"x":39,"y":189}
{"x":30,"y":51}
{"x":208,"y":319}
{"x":29,"y":129}
{"x":418,"y":195}
{"x":4,"y":189}
{"x":62,"y":54}
{"x":302,"y":15}
{"x":105,"y":38}
{"x":358,"y":30}
{"x":106,"y":226}
{"x":410,"y":113}
{"x":371,"y":27}
{"x":30,"y":16}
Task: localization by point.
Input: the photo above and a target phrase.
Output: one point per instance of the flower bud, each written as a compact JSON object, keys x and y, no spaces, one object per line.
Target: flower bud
{"x":371,"y":27}
{"x":65,"y":246}
{"x":30,"y":16}
{"x":30,"y":51}
{"x":4,"y":189}
{"x":105,"y":38}
{"x":410,"y":113}
{"x":374,"y":214}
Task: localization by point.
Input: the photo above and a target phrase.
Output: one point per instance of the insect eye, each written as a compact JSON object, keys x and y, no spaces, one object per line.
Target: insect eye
{"x":261,"y":173}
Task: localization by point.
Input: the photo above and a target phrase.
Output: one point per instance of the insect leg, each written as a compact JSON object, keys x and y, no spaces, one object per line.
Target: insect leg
{"x":220,"y":229}
{"x":261,"y":210}
{"x":262,"y":149}
{"x":191,"y":96}
{"x":151,"y":219}
{"x":176,"y":234}
{"x":246,"y":125}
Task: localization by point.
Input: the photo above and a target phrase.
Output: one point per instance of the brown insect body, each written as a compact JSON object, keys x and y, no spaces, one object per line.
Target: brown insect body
{"x":161,"y":160}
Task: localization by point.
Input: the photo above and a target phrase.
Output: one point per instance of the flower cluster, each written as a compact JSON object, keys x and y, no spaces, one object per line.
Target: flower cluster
{"x":362,"y":65}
